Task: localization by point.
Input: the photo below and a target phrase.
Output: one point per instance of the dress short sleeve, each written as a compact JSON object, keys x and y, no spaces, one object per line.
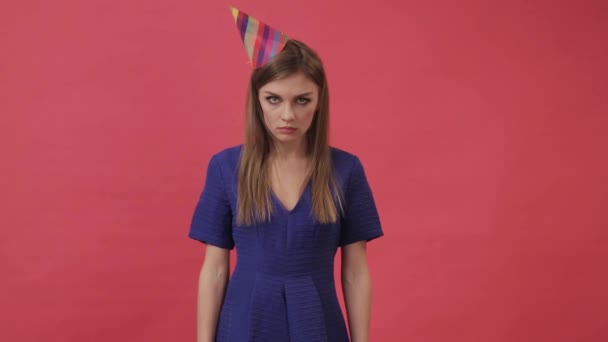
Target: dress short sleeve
{"x":212,"y":218}
{"x":360,"y":221}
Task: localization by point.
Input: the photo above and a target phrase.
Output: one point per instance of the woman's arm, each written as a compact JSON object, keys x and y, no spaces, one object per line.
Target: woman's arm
{"x":356,"y":287}
{"x":211,"y":288}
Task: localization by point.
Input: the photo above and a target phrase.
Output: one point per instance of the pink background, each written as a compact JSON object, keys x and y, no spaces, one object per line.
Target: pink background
{"x":481,"y":125}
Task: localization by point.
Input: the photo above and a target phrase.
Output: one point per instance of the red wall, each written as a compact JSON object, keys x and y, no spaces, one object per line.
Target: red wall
{"x":481,"y":124}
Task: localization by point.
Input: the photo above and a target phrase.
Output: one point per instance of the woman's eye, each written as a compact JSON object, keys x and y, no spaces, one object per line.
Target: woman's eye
{"x":272,"y":99}
{"x":303,"y":100}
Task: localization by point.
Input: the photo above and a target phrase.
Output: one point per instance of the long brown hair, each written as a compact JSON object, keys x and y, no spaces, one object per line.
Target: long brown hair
{"x":254,"y":192}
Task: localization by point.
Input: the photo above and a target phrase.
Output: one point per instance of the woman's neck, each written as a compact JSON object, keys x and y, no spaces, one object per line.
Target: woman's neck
{"x":282,"y":152}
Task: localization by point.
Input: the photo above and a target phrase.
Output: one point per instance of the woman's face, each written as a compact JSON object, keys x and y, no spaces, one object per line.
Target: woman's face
{"x":289,"y":105}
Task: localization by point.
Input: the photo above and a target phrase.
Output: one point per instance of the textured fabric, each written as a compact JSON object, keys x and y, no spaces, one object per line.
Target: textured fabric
{"x":282,"y":287}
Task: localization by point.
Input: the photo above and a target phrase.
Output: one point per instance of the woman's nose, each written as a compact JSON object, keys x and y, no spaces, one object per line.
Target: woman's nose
{"x":288,"y":112}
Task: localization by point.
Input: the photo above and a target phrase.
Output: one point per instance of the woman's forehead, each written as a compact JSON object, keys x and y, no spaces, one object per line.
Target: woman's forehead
{"x":293,"y":84}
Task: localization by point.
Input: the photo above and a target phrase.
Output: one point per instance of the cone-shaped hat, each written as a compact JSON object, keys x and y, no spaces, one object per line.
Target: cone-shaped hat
{"x":261,"y":41}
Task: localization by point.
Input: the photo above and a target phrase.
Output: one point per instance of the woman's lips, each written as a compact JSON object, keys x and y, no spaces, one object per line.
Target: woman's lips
{"x":287,"y":130}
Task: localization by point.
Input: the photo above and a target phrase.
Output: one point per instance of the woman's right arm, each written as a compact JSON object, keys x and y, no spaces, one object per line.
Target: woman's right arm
{"x":211,"y":288}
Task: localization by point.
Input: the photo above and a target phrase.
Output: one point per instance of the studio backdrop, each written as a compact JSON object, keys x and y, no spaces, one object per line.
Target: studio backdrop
{"x":481,"y":126}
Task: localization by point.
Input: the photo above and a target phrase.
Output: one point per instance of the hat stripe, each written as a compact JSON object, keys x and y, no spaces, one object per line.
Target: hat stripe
{"x":241,"y":22}
{"x":240,"y":19}
{"x":250,"y":37}
{"x":274,"y":43}
{"x":257,"y":44}
{"x":282,"y":41}
{"x":264,"y":46}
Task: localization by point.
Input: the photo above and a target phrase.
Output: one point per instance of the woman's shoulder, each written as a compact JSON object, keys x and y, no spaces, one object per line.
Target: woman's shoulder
{"x":227,"y":158}
{"x":343,"y":160}
{"x":228,"y":154}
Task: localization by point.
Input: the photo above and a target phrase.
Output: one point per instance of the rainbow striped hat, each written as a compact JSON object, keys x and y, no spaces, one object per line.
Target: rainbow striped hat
{"x":261,"y":41}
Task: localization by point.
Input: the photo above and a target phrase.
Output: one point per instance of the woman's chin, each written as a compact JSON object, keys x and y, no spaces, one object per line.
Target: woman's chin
{"x":287,"y":139}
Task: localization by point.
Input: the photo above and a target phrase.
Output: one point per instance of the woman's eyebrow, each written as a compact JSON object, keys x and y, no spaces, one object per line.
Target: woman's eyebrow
{"x":277,"y":95}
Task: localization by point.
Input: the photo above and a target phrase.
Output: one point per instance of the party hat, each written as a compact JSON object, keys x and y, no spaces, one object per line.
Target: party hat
{"x":261,"y":41}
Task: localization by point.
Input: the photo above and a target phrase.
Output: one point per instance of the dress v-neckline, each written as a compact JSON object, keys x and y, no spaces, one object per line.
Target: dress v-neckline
{"x":282,"y":206}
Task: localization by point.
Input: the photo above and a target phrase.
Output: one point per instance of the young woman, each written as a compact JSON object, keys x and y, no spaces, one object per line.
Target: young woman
{"x":286,"y":200}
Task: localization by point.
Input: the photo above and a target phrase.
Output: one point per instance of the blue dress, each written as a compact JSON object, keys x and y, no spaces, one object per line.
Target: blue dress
{"x":282,"y":287}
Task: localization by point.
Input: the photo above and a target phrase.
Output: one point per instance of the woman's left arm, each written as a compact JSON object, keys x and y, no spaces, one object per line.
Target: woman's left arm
{"x":356,"y":287}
